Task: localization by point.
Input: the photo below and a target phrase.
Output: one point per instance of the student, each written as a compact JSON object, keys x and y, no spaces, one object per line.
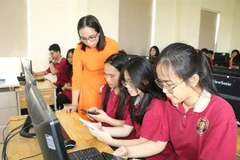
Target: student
{"x":146,"y":108}
{"x":65,"y":96}
{"x":210,"y":56}
{"x":57,"y":66}
{"x":113,"y":109}
{"x":204,"y":51}
{"x":88,"y":63}
{"x":154,"y":51}
{"x":200,"y":124}
{"x":233,"y":55}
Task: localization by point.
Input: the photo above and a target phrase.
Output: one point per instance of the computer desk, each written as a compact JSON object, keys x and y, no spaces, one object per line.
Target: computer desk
{"x":20,"y":147}
{"x":47,"y":89}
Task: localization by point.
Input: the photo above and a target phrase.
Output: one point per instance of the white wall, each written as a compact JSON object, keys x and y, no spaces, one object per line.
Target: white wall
{"x":107,"y":12}
{"x":53,"y":21}
{"x":235,"y":36}
{"x":179,"y":20}
{"x":135,"y":22}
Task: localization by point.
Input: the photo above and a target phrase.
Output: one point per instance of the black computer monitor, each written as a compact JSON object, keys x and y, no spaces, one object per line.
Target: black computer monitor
{"x":221,"y":58}
{"x":45,"y":123}
{"x":226,"y":71}
{"x":228,"y":87}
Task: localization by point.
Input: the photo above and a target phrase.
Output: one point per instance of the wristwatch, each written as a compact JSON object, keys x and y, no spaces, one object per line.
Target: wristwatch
{"x":50,"y":62}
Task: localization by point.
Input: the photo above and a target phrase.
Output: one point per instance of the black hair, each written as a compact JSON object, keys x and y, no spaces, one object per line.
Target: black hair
{"x":235,"y":50}
{"x":92,"y":22}
{"x":185,"y":61}
{"x":210,"y":52}
{"x":55,"y":47}
{"x":69,"y":70}
{"x":157,"y":51}
{"x":204,"y":50}
{"x":117,"y":61}
{"x":142,"y":76}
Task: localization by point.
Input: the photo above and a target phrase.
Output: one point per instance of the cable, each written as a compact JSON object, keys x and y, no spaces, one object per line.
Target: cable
{"x":7,"y":126}
{"x":7,"y":139}
{"x":4,"y":155}
{"x":31,"y":156}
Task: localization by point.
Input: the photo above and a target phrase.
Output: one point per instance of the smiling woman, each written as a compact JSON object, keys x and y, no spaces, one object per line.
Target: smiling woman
{"x":88,"y":63}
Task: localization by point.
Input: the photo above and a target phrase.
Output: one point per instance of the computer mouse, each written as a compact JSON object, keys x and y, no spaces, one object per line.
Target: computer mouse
{"x":69,"y":144}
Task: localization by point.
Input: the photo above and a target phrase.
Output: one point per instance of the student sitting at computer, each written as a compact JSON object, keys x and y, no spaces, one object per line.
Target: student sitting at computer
{"x":146,"y":108}
{"x":233,"y":55}
{"x":57,"y":66}
{"x":154,"y":51}
{"x":65,"y":96}
{"x":210,"y":56}
{"x":200,"y":124}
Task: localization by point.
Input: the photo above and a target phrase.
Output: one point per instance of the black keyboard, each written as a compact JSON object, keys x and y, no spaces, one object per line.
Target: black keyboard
{"x":86,"y":154}
{"x":64,"y":133}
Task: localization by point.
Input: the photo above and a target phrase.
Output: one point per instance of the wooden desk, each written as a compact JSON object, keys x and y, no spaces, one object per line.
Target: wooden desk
{"x":47,"y":89}
{"x":20,"y":147}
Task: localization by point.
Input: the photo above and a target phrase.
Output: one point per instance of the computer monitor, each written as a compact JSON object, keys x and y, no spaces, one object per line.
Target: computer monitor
{"x":45,"y":123}
{"x":226,"y":71}
{"x":28,"y":64}
{"x":228,"y":87}
{"x":221,"y":58}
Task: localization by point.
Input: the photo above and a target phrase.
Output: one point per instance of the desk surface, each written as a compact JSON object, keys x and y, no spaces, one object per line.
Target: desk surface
{"x":46,"y":84}
{"x":20,"y":147}
{"x":10,"y":80}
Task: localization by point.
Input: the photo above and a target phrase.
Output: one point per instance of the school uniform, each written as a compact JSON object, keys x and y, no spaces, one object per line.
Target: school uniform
{"x":62,"y":77}
{"x":150,"y":125}
{"x":208,"y":131}
{"x":111,"y":109}
{"x":65,"y":96}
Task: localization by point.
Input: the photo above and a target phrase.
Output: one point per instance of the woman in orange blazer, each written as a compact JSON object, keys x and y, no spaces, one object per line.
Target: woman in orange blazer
{"x":88,"y":64}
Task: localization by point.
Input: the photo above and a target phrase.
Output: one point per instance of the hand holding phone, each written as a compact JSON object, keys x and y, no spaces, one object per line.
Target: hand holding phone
{"x":89,"y":112}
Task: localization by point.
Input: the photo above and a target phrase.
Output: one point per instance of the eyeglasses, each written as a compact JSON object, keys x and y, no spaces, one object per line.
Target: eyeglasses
{"x":91,"y":38}
{"x":168,"y":88}
{"x":51,"y":53}
{"x":125,"y":83}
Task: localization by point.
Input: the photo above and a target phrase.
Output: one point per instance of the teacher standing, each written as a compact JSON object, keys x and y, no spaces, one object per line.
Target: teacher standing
{"x":88,"y":64}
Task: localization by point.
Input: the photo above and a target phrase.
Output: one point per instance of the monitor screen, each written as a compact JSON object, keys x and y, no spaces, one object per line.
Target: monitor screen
{"x":221,"y":58}
{"x":229,"y":87}
{"x":226,"y":71}
{"x":45,"y":123}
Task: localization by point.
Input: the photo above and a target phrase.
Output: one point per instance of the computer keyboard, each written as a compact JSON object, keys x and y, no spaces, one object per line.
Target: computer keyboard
{"x":86,"y":154}
{"x":64,"y":133}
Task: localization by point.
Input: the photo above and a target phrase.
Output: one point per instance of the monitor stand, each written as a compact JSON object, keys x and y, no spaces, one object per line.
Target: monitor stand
{"x":26,"y":127}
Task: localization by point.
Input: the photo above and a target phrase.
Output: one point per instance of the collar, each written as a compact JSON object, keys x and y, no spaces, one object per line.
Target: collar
{"x":59,"y":60}
{"x":202,"y":102}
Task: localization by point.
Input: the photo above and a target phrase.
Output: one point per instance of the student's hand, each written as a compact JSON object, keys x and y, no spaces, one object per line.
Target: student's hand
{"x":92,"y":109}
{"x":121,"y":152}
{"x":34,"y":73}
{"x":69,"y":108}
{"x":101,"y":134}
{"x":101,"y":117}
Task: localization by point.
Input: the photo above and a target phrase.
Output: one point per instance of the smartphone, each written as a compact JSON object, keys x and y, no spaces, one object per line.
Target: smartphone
{"x":88,"y":112}
{"x":109,"y":156}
